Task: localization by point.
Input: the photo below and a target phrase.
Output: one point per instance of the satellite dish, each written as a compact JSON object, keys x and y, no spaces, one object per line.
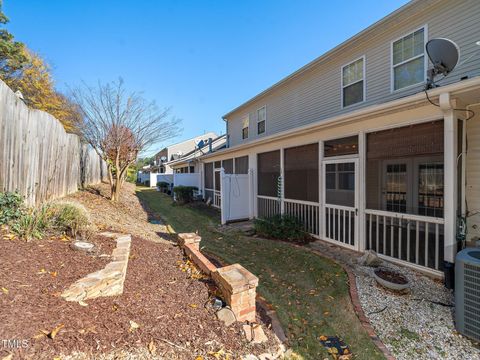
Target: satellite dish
{"x":163,"y":158}
{"x":444,"y":55}
{"x":200,"y":144}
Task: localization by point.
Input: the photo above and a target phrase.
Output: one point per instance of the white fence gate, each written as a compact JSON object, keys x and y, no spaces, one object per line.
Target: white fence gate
{"x":236,"y":196}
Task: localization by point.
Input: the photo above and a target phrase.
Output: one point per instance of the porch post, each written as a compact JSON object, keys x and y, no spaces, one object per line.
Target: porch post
{"x":252,"y":164}
{"x":224,"y":200}
{"x":202,"y":179}
{"x":450,"y":177}
{"x":251,"y":197}
{"x":362,"y":157}
{"x":321,"y":216}
{"x":282,"y":184}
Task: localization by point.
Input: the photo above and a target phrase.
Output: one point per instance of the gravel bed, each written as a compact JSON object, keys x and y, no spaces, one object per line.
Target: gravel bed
{"x":414,"y":325}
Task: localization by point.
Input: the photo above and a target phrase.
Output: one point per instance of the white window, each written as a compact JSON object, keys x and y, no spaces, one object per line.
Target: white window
{"x":353,"y":82}
{"x":245,"y":124}
{"x":408,"y":60}
{"x":261,"y":119}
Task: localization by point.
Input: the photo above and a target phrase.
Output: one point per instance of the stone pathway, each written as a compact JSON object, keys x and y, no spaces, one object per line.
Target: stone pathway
{"x":108,"y":281}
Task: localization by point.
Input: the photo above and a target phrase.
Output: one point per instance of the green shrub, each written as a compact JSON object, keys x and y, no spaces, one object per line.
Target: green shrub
{"x":163,"y":184}
{"x":69,"y":217}
{"x":33,"y":222}
{"x":184,"y":194}
{"x":11,"y":207}
{"x":282,"y":227}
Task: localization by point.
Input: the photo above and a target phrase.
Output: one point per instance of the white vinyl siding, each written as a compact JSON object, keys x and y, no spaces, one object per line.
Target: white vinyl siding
{"x":261,"y":120}
{"x":353,"y":82}
{"x":315,"y":93}
{"x":408,"y":59}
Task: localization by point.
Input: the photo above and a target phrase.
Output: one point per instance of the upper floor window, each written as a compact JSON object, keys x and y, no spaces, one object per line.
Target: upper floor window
{"x":245,"y":124}
{"x":353,"y":82}
{"x":261,"y":119}
{"x":408,"y":60}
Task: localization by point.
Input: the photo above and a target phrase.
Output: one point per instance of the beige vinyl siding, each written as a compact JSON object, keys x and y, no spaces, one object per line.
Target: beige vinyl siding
{"x":315,"y":94}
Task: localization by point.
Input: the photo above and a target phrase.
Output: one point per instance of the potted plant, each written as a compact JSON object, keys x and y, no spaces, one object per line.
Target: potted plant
{"x":391,"y":279}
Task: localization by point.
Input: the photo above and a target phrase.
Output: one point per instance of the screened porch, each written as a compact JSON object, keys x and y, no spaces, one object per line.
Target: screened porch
{"x":398,"y":174}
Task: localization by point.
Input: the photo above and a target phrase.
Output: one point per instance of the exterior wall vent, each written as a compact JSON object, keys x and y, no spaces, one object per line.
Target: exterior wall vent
{"x":467,"y":292}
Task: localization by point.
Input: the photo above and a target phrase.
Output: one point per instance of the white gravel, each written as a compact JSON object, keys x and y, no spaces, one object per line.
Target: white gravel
{"x":411,"y":325}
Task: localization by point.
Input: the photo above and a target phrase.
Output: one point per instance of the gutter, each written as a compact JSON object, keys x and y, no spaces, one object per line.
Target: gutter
{"x":376,"y":109}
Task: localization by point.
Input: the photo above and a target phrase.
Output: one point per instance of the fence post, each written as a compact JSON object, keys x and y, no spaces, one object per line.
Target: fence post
{"x":251,"y":195}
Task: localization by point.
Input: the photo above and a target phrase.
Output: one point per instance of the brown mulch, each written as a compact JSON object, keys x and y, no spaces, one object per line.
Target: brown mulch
{"x":168,"y":306}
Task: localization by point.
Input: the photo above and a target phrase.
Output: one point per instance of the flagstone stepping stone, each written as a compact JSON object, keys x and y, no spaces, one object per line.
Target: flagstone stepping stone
{"x":82,"y":246}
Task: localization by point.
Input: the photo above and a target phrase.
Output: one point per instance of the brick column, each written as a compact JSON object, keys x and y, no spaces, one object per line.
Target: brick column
{"x":238,"y":287}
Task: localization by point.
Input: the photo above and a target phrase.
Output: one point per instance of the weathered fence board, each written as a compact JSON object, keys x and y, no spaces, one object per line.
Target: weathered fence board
{"x":37,"y":157}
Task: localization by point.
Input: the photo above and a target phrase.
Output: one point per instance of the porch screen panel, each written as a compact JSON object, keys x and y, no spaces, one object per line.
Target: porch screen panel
{"x":241,"y":165}
{"x":268,"y":173}
{"x":405,"y":175}
{"x":405,"y":169}
{"x":228,"y":166}
{"x":301,"y":173}
{"x":208,"y":176}
{"x":339,"y":147}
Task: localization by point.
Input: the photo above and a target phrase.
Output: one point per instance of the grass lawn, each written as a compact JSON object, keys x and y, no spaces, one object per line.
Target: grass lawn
{"x":309,"y":293}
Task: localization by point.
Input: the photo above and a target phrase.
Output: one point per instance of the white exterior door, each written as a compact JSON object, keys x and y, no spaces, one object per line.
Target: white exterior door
{"x":340,"y":205}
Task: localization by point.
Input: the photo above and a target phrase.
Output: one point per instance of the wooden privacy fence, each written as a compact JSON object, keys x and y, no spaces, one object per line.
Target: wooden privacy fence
{"x":37,"y":157}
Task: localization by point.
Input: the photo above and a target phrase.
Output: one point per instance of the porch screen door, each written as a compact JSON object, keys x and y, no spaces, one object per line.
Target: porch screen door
{"x":340,"y":194}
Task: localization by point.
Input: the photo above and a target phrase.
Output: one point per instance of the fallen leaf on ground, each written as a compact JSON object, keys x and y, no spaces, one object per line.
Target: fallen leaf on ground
{"x":82,"y":303}
{"x":133,"y":325}
{"x":42,"y":271}
{"x":193,"y":306}
{"x":5,"y":290}
{"x":8,"y":357}
{"x":151,"y":347}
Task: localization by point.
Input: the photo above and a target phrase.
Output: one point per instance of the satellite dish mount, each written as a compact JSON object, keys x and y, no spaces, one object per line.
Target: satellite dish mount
{"x":444,"y":55}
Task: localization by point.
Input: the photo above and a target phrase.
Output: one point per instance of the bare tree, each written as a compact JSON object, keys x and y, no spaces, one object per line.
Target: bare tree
{"x":119,"y":125}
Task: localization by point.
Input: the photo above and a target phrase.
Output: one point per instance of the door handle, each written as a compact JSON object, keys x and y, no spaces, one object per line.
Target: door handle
{"x":356,"y":212}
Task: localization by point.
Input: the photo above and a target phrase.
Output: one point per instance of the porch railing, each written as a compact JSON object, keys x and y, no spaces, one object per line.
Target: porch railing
{"x":411,"y":238}
{"x":306,"y":212}
{"x":268,"y":206}
{"x":339,"y":224}
{"x":217,"y":199}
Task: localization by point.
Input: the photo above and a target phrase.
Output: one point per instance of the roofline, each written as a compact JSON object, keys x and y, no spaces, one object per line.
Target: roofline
{"x":183,"y":160}
{"x":454,"y":89}
{"x":328,"y":54}
{"x":192,"y":138}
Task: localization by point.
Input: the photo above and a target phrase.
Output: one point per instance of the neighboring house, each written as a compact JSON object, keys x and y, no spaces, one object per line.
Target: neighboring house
{"x":177,"y":151}
{"x":351,"y":146}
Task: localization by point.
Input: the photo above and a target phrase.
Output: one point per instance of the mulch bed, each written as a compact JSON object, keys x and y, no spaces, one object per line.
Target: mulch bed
{"x":168,"y":306}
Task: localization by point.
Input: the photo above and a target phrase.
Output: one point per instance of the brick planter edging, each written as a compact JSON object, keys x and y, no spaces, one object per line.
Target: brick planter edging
{"x":237,"y":284}
{"x":271,"y":313}
{"x":357,"y":307}
{"x":108,"y":281}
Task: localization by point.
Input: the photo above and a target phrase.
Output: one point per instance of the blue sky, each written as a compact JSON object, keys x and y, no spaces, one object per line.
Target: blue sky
{"x":202,"y":58}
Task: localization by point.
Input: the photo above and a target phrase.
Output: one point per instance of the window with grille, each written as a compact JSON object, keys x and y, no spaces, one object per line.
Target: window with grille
{"x":245,"y":125}
{"x":353,"y":82}
{"x":261,"y":119}
{"x":408,"y":60}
